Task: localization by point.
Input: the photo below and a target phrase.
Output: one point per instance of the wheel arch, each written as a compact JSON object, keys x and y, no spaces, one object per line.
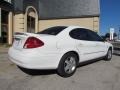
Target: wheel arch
{"x":75,"y":54}
{"x":71,"y":51}
{"x":110,"y":48}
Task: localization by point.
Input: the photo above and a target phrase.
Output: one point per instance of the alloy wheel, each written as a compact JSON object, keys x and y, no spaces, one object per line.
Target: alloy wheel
{"x":69,"y":65}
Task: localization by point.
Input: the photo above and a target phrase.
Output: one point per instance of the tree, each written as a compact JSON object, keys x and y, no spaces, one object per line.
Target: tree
{"x":115,"y":35}
{"x":107,"y":35}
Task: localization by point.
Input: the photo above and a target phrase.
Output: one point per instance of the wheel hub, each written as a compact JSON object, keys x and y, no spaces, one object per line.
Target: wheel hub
{"x":70,"y":65}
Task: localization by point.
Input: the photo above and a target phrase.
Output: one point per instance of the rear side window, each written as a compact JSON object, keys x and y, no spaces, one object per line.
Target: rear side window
{"x":79,"y":33}
{"x":53,"y":30}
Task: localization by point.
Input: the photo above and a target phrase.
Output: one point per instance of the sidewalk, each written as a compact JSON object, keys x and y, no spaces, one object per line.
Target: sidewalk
{"x":3,"y":49}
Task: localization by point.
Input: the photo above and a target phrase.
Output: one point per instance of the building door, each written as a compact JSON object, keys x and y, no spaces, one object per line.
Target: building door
{"x":4,"y":26}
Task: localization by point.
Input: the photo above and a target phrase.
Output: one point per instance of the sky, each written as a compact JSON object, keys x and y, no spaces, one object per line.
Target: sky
{"x":109,"y":15}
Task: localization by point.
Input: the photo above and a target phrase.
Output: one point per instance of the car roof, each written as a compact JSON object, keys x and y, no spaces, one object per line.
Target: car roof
{"x":71,"y":26}
{"x":77,"y":27}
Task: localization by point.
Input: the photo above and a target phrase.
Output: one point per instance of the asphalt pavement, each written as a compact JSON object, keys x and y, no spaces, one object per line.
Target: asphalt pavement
{"x":100,"y":75}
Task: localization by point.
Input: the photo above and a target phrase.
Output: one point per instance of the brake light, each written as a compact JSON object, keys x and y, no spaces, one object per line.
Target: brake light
{"x":33,"y":42}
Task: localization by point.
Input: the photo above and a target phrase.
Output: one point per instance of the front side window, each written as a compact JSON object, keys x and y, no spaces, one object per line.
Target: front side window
{"x":94,"y":36}
{"x":53,"y":30}
{"x":79,"y":33}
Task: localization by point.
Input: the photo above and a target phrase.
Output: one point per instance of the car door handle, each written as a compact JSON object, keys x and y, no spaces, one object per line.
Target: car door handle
{"x":80,"y":44}
{"x":97,"y":45}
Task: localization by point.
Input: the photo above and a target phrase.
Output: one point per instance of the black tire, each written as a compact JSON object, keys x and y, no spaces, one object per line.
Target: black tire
{"x":70,"y":61}
{"x":108,"y":57}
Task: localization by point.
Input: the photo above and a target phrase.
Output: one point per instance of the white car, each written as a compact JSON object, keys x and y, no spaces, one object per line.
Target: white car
{"x":60,"y":47}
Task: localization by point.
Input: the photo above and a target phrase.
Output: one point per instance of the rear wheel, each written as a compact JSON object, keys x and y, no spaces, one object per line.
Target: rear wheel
{"x":108,"y":57}
{"x":68,"y":65}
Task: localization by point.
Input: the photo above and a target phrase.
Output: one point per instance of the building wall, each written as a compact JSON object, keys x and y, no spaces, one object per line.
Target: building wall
{"x":10,"y":27}
{"x":84,"y":13}
{"x":90,"y":22}
{"x":18,"y":24}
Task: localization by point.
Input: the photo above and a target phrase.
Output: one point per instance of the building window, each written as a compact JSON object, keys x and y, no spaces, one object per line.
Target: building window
{"x":4,"y":26}
{"x":30,"y":24}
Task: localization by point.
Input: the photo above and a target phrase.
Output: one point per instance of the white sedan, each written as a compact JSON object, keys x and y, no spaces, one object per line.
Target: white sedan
{"x":60,"y":47}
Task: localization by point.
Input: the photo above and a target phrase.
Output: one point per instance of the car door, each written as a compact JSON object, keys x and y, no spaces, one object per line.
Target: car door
{"x":85,"y":47}
{"x":100,"y":48}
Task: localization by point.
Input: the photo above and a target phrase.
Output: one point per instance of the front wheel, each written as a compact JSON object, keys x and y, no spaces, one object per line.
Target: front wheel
{"x":68,"y":65}
{"x":108,"y":57}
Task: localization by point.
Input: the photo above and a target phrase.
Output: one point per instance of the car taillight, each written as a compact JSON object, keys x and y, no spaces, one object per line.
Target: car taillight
{"x":33,"y":42}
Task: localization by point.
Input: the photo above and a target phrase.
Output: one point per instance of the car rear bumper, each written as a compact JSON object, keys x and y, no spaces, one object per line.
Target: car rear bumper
{"x":32,"y":60}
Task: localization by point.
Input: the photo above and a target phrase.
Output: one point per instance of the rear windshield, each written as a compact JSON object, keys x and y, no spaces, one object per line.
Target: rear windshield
{"x":53,"y":30}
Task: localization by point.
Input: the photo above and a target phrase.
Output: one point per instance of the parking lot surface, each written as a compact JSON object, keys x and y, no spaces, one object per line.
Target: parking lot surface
{"x":100,"y":75}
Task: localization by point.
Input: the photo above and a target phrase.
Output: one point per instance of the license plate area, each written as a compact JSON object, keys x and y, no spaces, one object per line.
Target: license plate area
{"x":17,"y":42}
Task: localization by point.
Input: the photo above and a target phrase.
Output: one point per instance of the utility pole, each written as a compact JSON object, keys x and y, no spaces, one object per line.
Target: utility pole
{"x":0,"y":23}
{"x":119,"y":33}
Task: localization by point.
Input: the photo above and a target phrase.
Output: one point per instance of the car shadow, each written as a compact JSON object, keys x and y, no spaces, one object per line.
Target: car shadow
{"x":37,"y":72}
{"x":82,"y":64}
{"x":51,"y":72}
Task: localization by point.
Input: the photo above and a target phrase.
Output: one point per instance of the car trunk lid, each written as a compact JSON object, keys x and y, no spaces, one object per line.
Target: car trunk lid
{"x":21,"y":38}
